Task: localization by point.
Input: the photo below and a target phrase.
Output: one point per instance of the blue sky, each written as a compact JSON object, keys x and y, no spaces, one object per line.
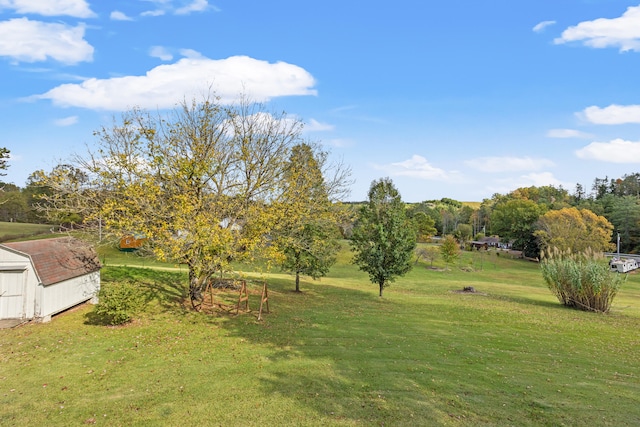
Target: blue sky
{"x":456,"y":98}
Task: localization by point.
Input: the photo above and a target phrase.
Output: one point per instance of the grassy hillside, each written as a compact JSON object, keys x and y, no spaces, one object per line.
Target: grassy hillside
{"x":335,"y":355}
{"x":18,"y":230}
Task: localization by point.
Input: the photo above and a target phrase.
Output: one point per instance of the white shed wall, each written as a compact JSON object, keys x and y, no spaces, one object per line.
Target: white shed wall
{"x":61,"y":296}
{"x":11,"y":264}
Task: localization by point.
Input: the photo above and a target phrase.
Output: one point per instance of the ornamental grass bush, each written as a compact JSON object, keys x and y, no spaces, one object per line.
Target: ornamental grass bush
{"x":580,"y":280}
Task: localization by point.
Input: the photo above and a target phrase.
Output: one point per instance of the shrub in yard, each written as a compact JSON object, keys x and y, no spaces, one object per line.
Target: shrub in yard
{"x":449,"y":249}
{"x":119,"y":302}
{"x":581,"y":281}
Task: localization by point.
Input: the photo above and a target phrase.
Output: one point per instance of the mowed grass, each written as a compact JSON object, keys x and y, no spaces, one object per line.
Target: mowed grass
{"x":336,"y":355}
{"x":12,"y":230}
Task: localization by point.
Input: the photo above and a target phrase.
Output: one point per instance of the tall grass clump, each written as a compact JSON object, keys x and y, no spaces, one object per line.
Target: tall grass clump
{"x":580,"y":280}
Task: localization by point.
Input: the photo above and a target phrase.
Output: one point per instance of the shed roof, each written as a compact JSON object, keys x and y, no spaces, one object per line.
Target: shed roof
{"x":59,"y":259}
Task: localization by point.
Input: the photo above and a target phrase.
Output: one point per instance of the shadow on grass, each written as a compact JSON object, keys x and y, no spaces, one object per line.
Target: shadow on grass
{"x":94,"y":319}
{"x":408,"y":360}
{"x":166,"y":289}
{"x":524,"y":300}
{"x":358,"y":358}
{"x":354,"y":358}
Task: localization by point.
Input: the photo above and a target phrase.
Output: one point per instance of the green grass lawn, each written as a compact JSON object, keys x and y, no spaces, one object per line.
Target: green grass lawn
{"x":335,"y":355}
{"x":19,"y":230}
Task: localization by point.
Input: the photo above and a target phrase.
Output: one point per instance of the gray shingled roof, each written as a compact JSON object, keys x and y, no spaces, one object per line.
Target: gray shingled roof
{"x":59,"y":259}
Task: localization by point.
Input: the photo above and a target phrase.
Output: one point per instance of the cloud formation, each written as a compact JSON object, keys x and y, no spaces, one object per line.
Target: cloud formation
{"x":165,"y":85}
{"x":508,"y":164}
{"x":194,"y":6}
{"x":504,"y":186}
{"x":75,"y":8}
{"x":611,"y":115}
{"x":416,"y":167}
{"x":622,"y":32}
{"x":67,"y":121}
{"x":567,"y":133}
{"x":183,"y":7}
{"x":542,"y":25}
{"x":116,"y":15}
{"x":161,"y":53}
{"x":615,"y":151}
{"x":156,"y":12}
{"x":24,"y":40}
{"x":316,"y":126}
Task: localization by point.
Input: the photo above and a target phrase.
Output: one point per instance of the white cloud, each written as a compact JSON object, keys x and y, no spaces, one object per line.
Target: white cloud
{"x":179,"y":7}
{"x":416,"y":167}
{"x":541,"y":179}
{"x":156,"y":12}
{"x":160,"y":52}
{"x":506,"y":185}
{"x":75,"y":8}
{"x":194,"y":6}
{"x":615,"y":151}
{"x":611,"y":115}
{"x":192,"y":54}
{"x":67,"y":121}
{"x":542,"y":25}
{"x":508,"y":164}
{"x":31,"y":41}
{"x":116,"y":15}
{"x":166,"y":85}
{"x":622,"y":32}
{"x":567,"y":133}
{"x":316,"y":126}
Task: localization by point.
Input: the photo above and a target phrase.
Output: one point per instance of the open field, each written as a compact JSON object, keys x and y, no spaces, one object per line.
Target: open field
{"x":335,"y":355}
{"x":13,"y":230}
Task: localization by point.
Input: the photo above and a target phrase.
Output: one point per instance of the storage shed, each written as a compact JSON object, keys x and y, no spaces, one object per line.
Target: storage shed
{"x":40,"y":278}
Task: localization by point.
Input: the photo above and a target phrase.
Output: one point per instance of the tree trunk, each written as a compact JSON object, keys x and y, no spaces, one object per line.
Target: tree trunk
{"x":297,"y":281}
{"x":193,"y":279}
{"x":381,"y":287}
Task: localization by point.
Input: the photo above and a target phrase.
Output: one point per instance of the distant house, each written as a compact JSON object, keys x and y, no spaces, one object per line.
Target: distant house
{"x":131,"y":242}
{"x":491,"y":241}
{"x":487,"y":242}
{"x":40,"y":278}
{"x":475,"y":244}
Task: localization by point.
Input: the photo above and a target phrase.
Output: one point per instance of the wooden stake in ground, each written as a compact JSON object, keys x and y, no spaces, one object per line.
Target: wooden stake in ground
{"x":243,"y":297}
{"x":263,"y":300}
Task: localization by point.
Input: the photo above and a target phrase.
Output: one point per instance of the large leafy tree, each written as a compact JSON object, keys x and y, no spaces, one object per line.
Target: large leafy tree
{"x":198,"y":182}
{"x":574,"y":230}
{"x":514,"y":220}
{"x":383,"y":238}
{"x":60,"y":195}
{"x":306,"y":235}
{"x":547,"y":195}
{"x":425,"y":226}
{"x":625,"y":217}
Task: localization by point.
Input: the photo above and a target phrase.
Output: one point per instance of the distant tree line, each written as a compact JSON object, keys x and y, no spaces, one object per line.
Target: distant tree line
{"x":517,"y":218}
{"x":527,"y":218}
